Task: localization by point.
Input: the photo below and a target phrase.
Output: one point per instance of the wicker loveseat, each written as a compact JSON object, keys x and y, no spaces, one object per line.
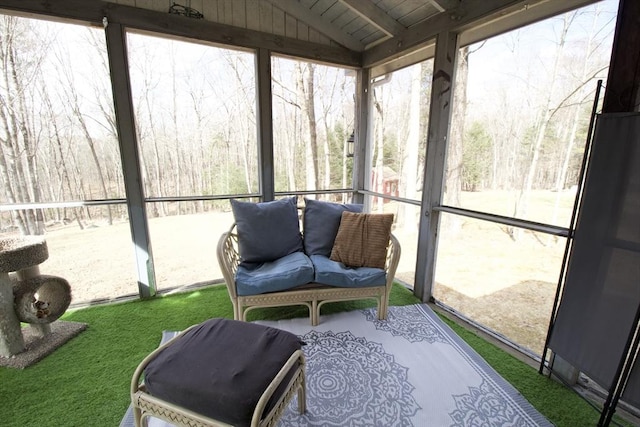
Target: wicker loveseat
{"x":305,"y":275}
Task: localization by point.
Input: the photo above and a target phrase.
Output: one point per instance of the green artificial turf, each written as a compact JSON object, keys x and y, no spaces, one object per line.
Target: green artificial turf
{"x":86,"y":382}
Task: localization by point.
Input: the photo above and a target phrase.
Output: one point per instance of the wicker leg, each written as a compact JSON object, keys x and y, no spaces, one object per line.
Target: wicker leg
{"x":302,"y":394}
{"x":314,"y":313}
{"x":242,"y":313}
{"x":384,"y":305}
{"x":137,"y":417}
{"x":236,"y":309}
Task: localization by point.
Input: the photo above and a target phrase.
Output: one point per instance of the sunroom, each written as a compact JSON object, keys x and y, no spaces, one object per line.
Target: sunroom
{"x":127,"y":127}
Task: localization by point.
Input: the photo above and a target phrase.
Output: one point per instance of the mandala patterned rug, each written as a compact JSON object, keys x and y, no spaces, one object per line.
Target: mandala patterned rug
{"x":409,"y":370}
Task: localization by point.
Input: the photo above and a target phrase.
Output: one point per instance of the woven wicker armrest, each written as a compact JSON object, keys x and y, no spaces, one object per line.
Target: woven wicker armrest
{"x":229,"y":259}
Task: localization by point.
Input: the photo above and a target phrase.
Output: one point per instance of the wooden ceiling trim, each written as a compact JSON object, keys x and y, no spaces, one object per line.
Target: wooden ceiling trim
{"x":239,"y":16}
{"x":420,"y":55}
{"x":271,"y":21}
{"x":161,"y":7}
{"x":507,"y":21}
{"x":375,"y":16}
{"x":374,"y":39}
{"x":332,"y":12}
{"x":79,"y":10}
{"x":93,"y":11}
{"x":437,"y":5}
{"x":322,"y":25}
{"x":419,"y":34}
{"x":424,"y":12}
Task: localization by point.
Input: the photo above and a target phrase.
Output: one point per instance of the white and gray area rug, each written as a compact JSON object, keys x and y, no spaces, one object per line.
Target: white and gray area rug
{"x":409,"y":370}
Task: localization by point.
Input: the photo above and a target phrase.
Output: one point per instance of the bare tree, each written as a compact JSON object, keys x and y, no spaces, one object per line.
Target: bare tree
{"x":21,"y":57}
{"x":56,"y":138}
{"x":453,"y":177}
{"x":145,"y":104}
{"x":584,"y":75}
{"x":379,"y":149}
{"x":305,"y":75}
{"x":522,"y":202}
{"x":406,"y":212}
{"x":327,"y":104}
{"x":244,"y":105}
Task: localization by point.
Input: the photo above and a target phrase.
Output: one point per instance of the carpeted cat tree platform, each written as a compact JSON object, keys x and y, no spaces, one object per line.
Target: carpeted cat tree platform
{"x":29,"y":297}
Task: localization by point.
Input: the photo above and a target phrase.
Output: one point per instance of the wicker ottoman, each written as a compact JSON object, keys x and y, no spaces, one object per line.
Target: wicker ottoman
{"x":221,"y":372}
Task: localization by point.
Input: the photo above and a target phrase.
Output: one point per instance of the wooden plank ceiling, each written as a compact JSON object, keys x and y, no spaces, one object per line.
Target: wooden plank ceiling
{"x":362,"y":24}
{"x":376,"y":30}
{"x":353,"y":33}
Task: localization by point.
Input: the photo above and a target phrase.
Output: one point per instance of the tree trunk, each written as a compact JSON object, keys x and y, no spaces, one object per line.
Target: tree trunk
{"x":305,"y":94}
{"x":562,"y":175}
{"x":159,"y":208}
{"x":311,"y":118}
{"x":522,"y":203}
{"x":63,"y":166}
{"x":96,"y":160}
{"x":455,"y":148}
{"x":407,"y":212}
{"x":19,"y":70}
{"x":379,"y":153}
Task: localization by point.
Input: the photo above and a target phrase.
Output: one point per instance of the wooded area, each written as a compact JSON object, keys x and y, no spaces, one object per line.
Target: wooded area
{"x":519,"y":119}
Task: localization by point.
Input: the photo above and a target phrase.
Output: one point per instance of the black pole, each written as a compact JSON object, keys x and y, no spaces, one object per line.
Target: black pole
{"x":572,"y":225}
{"x":622,"y":373}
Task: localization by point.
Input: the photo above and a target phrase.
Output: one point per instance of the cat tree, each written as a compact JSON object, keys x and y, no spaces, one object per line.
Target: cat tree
{"x":28,"y":297}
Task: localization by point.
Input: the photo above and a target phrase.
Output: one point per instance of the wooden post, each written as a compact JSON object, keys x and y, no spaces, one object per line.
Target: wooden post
{"x":622,"y":92}
{"x":265,"y":124}
{"x":362,"y":150}
{"x":438,"y":135}
{"x":129,"y":154}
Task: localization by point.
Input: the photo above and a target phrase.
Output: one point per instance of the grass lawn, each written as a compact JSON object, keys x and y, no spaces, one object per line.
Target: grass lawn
{"x":86,"y":382}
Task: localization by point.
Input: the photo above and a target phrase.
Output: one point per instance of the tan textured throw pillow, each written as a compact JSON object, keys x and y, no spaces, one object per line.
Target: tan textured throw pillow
{"x":362,"y":239}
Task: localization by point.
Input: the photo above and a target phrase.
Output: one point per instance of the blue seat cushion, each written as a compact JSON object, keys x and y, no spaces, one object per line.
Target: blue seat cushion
{"x":337,"y":274}
{"x":284,"y":273}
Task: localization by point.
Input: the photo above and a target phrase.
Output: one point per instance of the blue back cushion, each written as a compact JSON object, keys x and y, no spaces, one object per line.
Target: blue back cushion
{"x":321,"y":223}
{"x":268,"y":230}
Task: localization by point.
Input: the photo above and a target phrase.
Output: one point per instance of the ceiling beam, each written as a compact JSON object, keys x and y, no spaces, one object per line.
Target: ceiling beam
{"x":319,"y":23}
{"x":375,"y":16}
{"x":437,"y":5}
{"x":93,"y":11}
{"x":475,"y":21}
{"x":421,"y":33}
{"x":505,"y":22}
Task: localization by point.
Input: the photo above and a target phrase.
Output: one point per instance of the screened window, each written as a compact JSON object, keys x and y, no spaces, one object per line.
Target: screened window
{"x":400,"y":111}
{"x":195,"y":107}
{"x":313,"y":117}
{"x":60,"y":149}
{"x":521,"y":110}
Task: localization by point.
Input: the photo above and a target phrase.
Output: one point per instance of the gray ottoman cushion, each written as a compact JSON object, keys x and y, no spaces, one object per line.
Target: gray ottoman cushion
{"x":220,"y":368}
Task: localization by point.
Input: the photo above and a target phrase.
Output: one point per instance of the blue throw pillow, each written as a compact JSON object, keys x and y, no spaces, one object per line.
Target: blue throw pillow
{"x":268,"y":230}
{"x":321,"y":222}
